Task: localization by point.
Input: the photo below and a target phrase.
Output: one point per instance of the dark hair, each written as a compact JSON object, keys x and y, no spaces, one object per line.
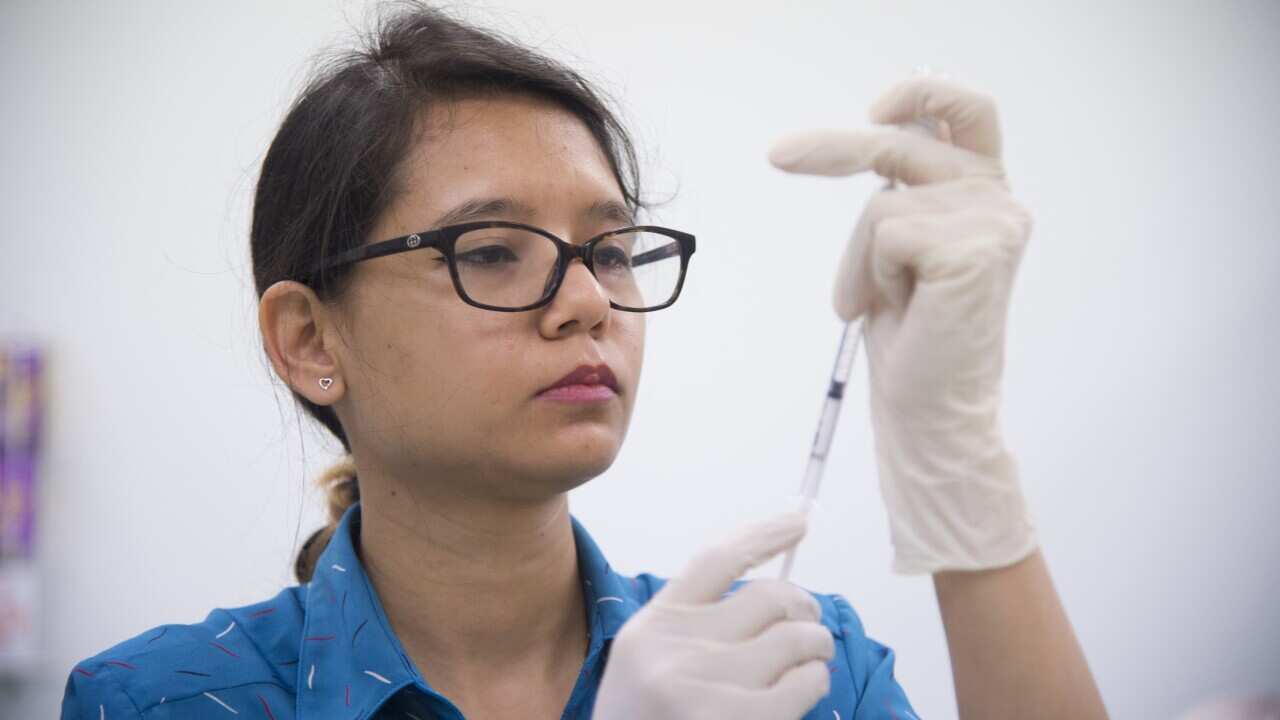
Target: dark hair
{"x":333,"y":166}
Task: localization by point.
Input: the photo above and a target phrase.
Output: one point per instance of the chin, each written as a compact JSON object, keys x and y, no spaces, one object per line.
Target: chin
{"x":561,"y":457}
{"x":564,"y":468}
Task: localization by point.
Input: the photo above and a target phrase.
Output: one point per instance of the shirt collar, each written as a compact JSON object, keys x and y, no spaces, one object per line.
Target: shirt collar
{"x":350,"y":661}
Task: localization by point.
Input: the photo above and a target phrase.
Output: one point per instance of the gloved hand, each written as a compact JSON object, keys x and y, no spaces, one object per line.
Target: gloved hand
{"x":761,"y":653}
{"x":932,"y":266}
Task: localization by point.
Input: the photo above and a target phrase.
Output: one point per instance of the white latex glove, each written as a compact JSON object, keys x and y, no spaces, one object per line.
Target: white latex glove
{"x":932,"y":266}
{"x":761,"y":653}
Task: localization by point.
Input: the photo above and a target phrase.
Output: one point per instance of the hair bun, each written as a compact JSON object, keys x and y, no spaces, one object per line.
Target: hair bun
{"x":342,"y":491}
{"x":341,"y":471}
{"x":341,"y":486}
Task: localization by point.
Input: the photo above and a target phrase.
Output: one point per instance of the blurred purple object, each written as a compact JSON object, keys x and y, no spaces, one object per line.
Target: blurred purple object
{"x":21,"y":401}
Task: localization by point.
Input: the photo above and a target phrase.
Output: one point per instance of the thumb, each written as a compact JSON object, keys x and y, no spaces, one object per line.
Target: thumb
{"x":853,"y":290}
{"x":711,"y":572}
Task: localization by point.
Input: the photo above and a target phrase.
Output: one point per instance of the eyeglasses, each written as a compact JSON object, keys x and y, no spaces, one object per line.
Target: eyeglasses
{"x":511,"y":267}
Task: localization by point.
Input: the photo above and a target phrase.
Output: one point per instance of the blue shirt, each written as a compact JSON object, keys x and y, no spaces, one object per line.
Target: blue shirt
{"x":326,"y":650}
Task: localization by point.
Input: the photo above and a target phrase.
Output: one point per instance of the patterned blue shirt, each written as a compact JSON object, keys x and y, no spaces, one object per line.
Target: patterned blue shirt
{"x":326,"y":650}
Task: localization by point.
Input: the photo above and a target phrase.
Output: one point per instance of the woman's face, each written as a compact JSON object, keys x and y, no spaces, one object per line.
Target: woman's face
{"x":441,"y":392}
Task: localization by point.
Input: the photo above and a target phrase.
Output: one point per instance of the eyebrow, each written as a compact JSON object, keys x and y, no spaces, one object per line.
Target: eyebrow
{"x":481,"y":207}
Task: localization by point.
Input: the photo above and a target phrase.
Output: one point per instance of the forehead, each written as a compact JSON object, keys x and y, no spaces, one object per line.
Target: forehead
{"x":512,"y":146}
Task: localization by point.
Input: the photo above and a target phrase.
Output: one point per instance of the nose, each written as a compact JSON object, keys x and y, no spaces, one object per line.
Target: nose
{"x":580,"y":301}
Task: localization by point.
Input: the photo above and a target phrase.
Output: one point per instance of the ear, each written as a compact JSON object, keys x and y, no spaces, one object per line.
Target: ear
{"x":295,"y":335}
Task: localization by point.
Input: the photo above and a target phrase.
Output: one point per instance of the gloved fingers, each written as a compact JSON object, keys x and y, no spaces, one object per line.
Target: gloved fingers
{"x":760,"y":662}
{"x":759,"y":605}
{"x":854,"y":290}
{"x":711,"y":572}
{"x":926,"y":248}
{"x":941,"y":197}
{"x":853,"y":293}
{"x":750,"y":611}
{"x":791,"y":698}
{"x":793,"y":695}
{"x":971,"y":116}
{"x":891,"y":153}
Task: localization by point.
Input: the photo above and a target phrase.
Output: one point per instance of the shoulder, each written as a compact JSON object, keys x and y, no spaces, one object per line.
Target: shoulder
{"x":252,"y":649}
{"x":862,"y":676}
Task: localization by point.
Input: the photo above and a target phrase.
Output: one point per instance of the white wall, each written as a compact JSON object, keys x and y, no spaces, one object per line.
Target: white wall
{"x":1140,"y":393}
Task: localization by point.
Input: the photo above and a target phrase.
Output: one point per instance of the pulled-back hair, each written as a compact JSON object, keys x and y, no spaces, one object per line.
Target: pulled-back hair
{"x":334,"y":165}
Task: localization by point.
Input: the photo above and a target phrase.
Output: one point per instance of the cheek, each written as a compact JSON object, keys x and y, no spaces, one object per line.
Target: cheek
{"x":629,"y":333}
{"x":476,"y":364}
{"x":632,"y":333}
{"x":419,"y":359}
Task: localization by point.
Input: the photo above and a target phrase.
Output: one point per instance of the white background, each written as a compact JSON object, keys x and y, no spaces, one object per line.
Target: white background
{"x":1140,"y":394}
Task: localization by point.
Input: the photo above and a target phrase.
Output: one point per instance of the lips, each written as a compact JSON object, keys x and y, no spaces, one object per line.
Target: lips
{"x":587,"y":375}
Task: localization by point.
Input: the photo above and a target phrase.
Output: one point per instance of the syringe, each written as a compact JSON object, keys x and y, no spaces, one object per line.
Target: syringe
{"x":826,"y":426}
{"x":849,"y":342}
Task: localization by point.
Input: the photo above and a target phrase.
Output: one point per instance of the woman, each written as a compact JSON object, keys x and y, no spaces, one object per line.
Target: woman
{"x":453,"y":280}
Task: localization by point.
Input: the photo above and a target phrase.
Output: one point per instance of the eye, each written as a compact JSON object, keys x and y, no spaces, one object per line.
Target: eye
{"x":489,"y":255}
{"x":612,"y":257}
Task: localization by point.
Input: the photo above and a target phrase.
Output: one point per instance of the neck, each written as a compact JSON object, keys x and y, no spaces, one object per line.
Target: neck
{"x":475,"y":589}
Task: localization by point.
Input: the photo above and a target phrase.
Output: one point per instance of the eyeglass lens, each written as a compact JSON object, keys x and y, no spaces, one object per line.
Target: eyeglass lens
{"x":512,"y":267}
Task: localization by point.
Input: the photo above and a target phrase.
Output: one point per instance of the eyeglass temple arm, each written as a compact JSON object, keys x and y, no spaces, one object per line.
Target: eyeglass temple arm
{"x":665,"y":251}
{"x":379,"y":249}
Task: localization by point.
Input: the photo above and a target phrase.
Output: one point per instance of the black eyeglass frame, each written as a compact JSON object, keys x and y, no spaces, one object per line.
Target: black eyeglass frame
{"x":443,"y":239}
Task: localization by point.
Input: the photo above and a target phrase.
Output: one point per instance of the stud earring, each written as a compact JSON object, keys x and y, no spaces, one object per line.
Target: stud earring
{"x":325,"y":383}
